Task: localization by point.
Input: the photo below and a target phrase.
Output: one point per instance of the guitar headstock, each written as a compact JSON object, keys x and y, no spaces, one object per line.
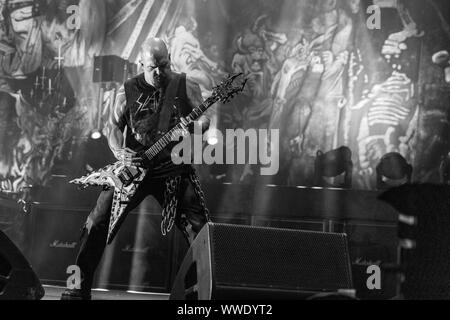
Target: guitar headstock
{"x":227,"y":89}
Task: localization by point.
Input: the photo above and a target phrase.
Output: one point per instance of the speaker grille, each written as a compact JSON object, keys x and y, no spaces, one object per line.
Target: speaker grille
{"x":281,"y":259}
{"x":5,"y":270}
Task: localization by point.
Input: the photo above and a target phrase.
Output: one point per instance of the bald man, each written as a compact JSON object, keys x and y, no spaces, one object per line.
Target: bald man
{"x":147,"y":107}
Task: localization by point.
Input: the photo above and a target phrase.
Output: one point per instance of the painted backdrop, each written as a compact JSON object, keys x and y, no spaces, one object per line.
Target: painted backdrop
{"x":316,"y":72}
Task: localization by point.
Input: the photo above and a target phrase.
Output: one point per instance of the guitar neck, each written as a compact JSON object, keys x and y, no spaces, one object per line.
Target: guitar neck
{"x":172,"y":135}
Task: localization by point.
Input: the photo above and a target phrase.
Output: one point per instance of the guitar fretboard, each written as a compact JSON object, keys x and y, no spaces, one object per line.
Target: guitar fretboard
{"x":173,"y":134}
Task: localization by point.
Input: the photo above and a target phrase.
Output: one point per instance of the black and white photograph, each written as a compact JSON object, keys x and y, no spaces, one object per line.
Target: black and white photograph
{"x":224,"y":150}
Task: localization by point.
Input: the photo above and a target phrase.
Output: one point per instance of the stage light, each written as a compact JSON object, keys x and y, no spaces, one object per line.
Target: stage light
{"x":442,"y":59}
{"x":212,"y":137}
{"x":447,"y":75}
{"x":213,"y":140}
{"x":96,"y":135}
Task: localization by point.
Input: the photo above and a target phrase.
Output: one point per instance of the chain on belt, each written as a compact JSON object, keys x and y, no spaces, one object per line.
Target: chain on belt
{"x":171,"y":197}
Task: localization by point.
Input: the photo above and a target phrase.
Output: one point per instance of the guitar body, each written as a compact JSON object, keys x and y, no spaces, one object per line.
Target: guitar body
{"x":125,"y":180}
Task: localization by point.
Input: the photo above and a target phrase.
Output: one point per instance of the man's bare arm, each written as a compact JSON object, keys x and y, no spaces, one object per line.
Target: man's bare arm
{"x":115,"y":133}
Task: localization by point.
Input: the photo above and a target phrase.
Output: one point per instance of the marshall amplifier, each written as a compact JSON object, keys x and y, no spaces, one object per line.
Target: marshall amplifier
{"x":373,"y":244}
{"x":138,"y":259}
{"x":55,"y":238}
{"x":112,"y":69}
{"x":13,"y":221}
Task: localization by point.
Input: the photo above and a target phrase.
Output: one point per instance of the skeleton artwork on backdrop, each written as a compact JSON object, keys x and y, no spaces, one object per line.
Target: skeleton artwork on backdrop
{"x":308,"y":90}
{"x":316,"y":72}
{"x":388,"y":111}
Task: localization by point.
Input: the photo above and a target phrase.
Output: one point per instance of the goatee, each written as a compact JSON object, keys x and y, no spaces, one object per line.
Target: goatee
{"x":160,"y":81}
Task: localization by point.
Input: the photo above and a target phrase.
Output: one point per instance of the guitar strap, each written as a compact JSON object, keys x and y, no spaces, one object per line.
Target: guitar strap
{"x":170,"y":101}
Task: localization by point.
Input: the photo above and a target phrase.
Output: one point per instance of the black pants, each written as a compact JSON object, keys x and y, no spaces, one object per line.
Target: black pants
{"x":93,"y":242}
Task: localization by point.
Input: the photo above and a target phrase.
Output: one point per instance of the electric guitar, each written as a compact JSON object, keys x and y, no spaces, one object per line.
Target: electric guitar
{"x":125,"y":179}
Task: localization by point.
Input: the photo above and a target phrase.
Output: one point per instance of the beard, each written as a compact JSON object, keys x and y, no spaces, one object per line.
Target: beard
{"x":160,"y":80}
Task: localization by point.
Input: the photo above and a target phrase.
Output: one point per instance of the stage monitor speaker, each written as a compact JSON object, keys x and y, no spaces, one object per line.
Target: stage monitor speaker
{"x":17,"y":280}
{"x":245,"y":262}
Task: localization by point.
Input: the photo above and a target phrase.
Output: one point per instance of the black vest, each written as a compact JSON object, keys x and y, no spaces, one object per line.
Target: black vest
{"x":150,"y":113}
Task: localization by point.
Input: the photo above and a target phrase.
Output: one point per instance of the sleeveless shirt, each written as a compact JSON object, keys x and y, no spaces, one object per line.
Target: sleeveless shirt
{"x":150,"y":113}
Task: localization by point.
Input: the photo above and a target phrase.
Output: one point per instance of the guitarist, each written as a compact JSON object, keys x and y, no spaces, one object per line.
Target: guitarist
{"x":147,"y":107}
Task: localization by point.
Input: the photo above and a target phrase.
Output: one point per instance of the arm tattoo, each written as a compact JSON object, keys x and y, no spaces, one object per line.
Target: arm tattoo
{"x":117,"y":123}
{"x":116,"y":118}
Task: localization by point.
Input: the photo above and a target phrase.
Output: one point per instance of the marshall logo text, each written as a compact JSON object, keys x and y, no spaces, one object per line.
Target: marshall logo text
{"x":63,"y":245}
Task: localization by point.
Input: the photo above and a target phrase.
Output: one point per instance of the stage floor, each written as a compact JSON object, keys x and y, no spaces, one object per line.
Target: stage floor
{"x":54,"y":293}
